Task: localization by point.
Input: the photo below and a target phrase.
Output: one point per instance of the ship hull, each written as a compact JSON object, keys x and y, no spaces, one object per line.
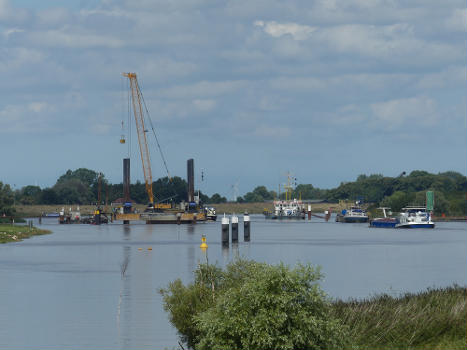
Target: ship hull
{"x":285,"y":217}
{"x":383,"y":223}
{"x":351,"y":219}
{"x":416,"y":225}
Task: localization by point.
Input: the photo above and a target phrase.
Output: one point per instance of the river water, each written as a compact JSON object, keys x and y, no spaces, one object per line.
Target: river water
{"x":66,"y":290}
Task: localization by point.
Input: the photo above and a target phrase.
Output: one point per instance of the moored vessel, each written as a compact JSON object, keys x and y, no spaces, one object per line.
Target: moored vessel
{"x":355,"y":214}
{"x":385,"y":221}
{"x":415,"y":217}
{"x":287,"y":209}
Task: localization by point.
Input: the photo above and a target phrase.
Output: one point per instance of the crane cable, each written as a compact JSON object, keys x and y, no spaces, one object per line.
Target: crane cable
{"x":155,"y":135}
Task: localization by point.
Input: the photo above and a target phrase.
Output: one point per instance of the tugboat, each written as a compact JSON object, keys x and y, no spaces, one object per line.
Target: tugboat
{"x":415,"y":217}
{"x":385,"y":221}
{"x":353,"y":215}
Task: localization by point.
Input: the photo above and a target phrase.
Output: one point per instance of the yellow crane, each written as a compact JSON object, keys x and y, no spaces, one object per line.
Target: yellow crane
{"x":136,"y":97}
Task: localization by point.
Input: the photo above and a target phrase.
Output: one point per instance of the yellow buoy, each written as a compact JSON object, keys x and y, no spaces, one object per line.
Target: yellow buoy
{"x":203,"y":242}
{"x":149,"y":248}
{"x":140,"y":248}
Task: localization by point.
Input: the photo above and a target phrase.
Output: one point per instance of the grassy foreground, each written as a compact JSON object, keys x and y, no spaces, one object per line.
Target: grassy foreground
{"x":11,"y":233}
{"x":434,"y":319}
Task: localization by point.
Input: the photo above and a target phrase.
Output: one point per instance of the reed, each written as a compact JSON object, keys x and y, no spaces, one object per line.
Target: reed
{"x":434,"y":319}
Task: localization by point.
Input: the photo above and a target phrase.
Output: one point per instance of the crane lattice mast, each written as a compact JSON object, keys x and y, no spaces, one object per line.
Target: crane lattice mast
{"x":136,"y":98}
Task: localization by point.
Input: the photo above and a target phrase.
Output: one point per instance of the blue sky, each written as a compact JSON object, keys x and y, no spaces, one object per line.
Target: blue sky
{"x":250,"y":89}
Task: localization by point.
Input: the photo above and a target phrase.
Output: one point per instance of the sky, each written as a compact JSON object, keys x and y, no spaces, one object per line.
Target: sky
{"x":250,"y":89}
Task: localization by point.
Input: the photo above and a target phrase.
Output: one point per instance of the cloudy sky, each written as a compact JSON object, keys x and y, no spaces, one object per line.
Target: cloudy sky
{"x":251,"y":89}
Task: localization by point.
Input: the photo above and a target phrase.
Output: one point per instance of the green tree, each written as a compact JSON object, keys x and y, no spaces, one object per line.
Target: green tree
{"x":398,"y":200}
{"x":6,"y":200}
{"x":73,"y":191}
{"x":86,"y":176}
{"x":49,"y":196}
{"x":259,"y":194}
{"x":253,"y":305}
{"x":174,"y":188}
{"x":217,"y":198}
{"x":30,"y":195}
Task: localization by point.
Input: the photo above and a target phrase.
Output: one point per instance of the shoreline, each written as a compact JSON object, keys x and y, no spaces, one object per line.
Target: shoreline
{"x":221,"y":208}
{"x":16,"y":233}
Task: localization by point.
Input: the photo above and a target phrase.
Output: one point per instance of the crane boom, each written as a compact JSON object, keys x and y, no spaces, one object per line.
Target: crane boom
{"x":136,"y":97}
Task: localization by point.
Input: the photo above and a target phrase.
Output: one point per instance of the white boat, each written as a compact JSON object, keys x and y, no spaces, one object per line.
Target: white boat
{"x":287,"y":209}
{"x":355,"y":214}
{"x":210,"y":213}
{"x":415,"y":217}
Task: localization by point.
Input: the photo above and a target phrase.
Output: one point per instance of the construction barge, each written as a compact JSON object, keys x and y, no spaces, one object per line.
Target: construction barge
{"x":155,"y":213}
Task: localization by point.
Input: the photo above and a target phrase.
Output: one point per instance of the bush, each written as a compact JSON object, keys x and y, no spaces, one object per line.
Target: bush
{"x":254,"y":305}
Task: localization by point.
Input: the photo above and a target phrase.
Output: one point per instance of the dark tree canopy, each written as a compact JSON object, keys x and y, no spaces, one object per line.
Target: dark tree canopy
{"x":6,"y":200}
{"x":81,"y":186}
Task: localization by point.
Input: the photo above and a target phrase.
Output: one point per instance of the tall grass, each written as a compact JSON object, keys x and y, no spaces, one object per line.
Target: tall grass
{"x":434,"y":319}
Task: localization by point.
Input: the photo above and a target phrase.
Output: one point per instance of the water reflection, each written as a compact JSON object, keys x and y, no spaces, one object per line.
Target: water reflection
{"x":125,"y":295}
{"x":235,"y":253}
{"x":191,"y":228}
{"x":126,"y":232}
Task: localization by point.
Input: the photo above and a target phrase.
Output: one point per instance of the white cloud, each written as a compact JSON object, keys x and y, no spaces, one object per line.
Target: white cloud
{"x":409,"y":113}
{"x":38,"y":107}
{"x":8,"y":14}
{"x":100,"y":128}
{"x":53,"y":16}
{"x":77,"y":39}
{"x":202,"y":89}
{"x":347,"y":116}
{"x":28,"y":118}
{"x":454,"y":76}
{"x":163,"y":68}
{"x":276,"y":30}
{"x":457,"y":22}
{"x":204,"y":105}
{"x":395,"y":43}
{"x":8,"y":32}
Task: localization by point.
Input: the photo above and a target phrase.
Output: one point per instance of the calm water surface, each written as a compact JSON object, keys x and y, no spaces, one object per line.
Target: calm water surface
{"x":66,"y":290}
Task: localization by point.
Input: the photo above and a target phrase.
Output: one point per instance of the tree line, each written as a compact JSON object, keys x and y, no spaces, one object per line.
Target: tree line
{"x":450,"y":190}
{"x":85,"y":186}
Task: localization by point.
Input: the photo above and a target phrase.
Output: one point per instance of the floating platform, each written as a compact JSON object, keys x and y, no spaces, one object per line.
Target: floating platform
{"x":164,"y":217}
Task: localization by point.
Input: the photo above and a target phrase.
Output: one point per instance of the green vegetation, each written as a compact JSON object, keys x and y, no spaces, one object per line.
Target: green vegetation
{"x":81,"y":186}
{"x":252,"y":305}
{"x":396,"y":192}
{"x":434,"y":319}
{"x":6,"y":200}
{"x":13,"y":233}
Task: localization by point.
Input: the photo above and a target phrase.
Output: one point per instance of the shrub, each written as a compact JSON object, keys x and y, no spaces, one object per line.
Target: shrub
{"x":254,"y":305}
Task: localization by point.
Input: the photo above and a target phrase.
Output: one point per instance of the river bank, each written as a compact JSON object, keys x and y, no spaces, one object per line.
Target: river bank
{"x":14,"y":233}
{"x":221,"y":208}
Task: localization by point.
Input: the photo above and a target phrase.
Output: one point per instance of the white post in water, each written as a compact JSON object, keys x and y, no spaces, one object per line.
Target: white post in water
{"x":234,"y":228}
{"x":309,"y":211}
{"x":225,"y":230}
{"x":246,"y":227}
